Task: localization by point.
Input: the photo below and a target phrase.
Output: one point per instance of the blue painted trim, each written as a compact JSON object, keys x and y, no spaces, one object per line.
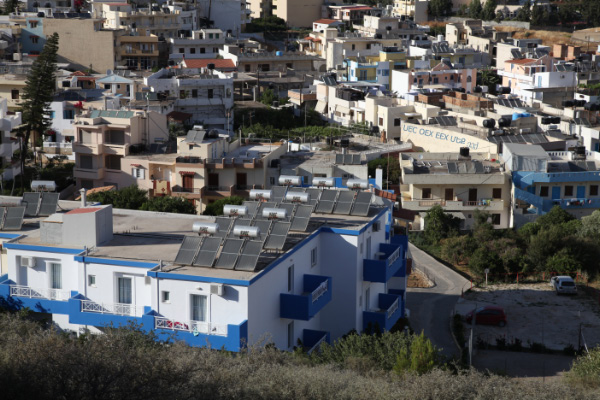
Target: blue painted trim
{"x":193,"y":278}
{"x":9,"y":235}
{"x":301,"y":307}
{"x":122,"y":263}
{"x":46,"y":249}
{"x":37,"y":305}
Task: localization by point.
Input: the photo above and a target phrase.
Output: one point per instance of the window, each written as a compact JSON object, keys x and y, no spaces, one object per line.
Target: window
{"x":272,"y":180}
{"x":166,"y":296}
{"x":265,"y":67}
{"x":290,"y":334}
{"x":198,"y":307}
{"x":68,"y":114}
{"x":593,"y":190}
{"x":215,"y":49}
{"x":543,"y":191}
{"x":568,"y":191}
{"x":368,"y":255}
{"x":202,"y":50}
{"x":33,"y":24}
{"x":210,"y":35}
{"x":495,"y":219}
{"x":228,"y":92}
{"x":182,"y":94}
{"x":125,"y":292}
{"x":194,"y":93}
{"x":113,"y":162}
{"x":87,"y":184}
{"x":396,"y":121}
{"x":114,"y":137}
{"x":211,"y":93}
{"x":181,"y":50}
{"x":353,"y":47}
{"x":290,"y":278}
{"x":138,"y":173}
{"x":313,"y":257}
{"x":380,"y":121}
{"x":368,"y":46}
{"x":14,"y":94}
{"x":191,"y":147}
{"x":92,"y":280}
{"x":193,"y":50}
{"x":86,"y":161}
{"x":216,"y":35}
{"x":497,"y":193}
{"x":368,"y":299}
{"x":52,"y":114}
{"x":34,"y":39}
{"x":107,"y":86}
{"x":426,"y":193}
{"x":55,"y":276}
{"x":247,"y":68}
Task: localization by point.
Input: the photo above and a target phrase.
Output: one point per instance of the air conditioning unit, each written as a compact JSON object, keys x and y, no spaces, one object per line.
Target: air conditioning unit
{"x":28,"y":262}
{"x":376,"y":226}
{"x":217,"y":289}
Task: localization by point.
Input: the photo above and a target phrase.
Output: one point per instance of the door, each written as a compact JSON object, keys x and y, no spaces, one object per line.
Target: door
{"x":449,"y":194}
{"x":240,"y":178}
{"x":125,"y":295}
{"x":472,"y":195}
{"x":368,"y":299}
{"x":213,"y":181}
{"x":188,"y":183}
{"x":555,"y":192}
{"x":580,"y":192}
{"x":198,"y":308}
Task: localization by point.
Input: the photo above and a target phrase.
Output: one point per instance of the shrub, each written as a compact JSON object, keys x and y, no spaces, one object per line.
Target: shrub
{"x":586,"y":370}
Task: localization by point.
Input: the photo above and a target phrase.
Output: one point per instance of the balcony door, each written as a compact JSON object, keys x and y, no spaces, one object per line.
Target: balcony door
{"x":449,"y":194}
{"x":240,"y":178}
{"x":198,"y":308}
{"x":188,"y":183}
{"x":213,"y":181}
{"x":472,"y":195}
{"x":125,"y":295}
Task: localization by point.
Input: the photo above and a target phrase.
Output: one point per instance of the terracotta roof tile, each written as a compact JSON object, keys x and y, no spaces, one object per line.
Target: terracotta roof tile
{"x":203,"y":63}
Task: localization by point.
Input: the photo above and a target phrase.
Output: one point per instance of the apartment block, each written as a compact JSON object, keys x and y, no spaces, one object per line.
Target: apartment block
{"x":312,"y":276}
{"x":103,"y":138}
{"x":8,"y":143}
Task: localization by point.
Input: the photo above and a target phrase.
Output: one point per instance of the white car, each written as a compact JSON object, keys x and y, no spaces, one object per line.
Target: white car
{"x":563,"y":285}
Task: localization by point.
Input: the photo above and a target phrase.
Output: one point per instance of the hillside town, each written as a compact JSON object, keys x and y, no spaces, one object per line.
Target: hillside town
{"x":231,"y":173}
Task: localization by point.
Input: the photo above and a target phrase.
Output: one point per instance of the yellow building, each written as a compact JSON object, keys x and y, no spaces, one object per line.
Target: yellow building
{"x":11,"y":89}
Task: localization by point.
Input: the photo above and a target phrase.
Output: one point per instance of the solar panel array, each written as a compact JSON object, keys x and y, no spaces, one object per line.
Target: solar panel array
{"x":227,"y":251}
{"x":582,"y":121}
{"x":511,"y":103}
{"x":11,"y":218}
{"x":48,"y":204}
{"x":446,"y":121}
{"x":534,"y":138}
{"x":31,"y":201}
{"x":348,"y":159}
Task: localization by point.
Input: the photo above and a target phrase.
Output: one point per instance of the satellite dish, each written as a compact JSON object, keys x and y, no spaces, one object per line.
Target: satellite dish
{"x":420,"y":156}
{"x":109,"y":72}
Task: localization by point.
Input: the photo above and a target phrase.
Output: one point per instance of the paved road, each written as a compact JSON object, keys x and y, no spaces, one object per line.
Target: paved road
{"x":430,"y":308}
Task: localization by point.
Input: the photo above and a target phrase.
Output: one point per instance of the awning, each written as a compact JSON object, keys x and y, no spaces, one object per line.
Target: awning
{"x":187,"y":173}
{"x":342,"y":109}
{"x":136,"y":165}
{"x":321,"y":107}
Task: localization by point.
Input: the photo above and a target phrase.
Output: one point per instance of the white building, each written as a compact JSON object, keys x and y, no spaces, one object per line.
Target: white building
{"x":208,"y":96}
{"x":330,"y":274}
{"x":8,"y":143}
{"x":204,"y":43}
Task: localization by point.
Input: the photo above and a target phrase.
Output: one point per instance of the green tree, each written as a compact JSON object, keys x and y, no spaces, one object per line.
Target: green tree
{"x":439,"y":225}
{"x":489,"y":77}
{"x":458,"y":249}
{"x":216,"y":208}
{"x":475,"y":9}
{"x":439,"y":8}
{"x":38,"y":94}
{"x":10,"y":6}
{"x":176,"y":205}
{"x":556,"y":216}
{"x":590,"y":226}
{"x":524,"y":13}
{"x":489,"y":10}
{"x":562,"y":262}
{"x":420,"y":359}
{"x":390,"y":167}
{"x":129,"y":198}
{"x":537,"y":15}
{"x":268,"y":97}
{"x":484,"y":258}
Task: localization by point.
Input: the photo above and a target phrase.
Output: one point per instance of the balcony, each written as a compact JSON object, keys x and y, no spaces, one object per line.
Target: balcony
{"x":390,"y":262}
{"x":230,"y":337}
{"x":87,"y":148}
{"x":112,"y":308}
{"x":44,"y":300}
{"x":84,"y":173}
{"x":217,"y":191}
{"x":316,"y":294}
{"x":189,"y":160}
{"x":454,"y":205}
{"x":117,"y":149}
{"x":390,"y":311}
{"x":313,"y":340}
{"x":84,"y":311}
{"x":186,"y":193}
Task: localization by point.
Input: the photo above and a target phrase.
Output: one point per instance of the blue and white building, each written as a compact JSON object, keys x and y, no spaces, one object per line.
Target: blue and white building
{"x":94,"y":266}
{"x":541,"y":180}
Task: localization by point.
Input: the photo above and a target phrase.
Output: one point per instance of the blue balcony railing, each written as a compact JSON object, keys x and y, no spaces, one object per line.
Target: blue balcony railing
{"x":390,"y":263}
{"x":316,"y":294}
{"x":313,"y":340}
{"x":391,"y":309}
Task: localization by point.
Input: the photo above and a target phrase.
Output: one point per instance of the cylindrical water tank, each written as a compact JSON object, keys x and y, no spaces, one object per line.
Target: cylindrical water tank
{"x":297,"y":197}
{"x":248,"y":231}
{"x":274,"y":213}
{"x":290,"y":180}
{"x":257,"y":194}
{"x":357,"y":184}
{"x":233,"y":210}
{"x":205,"y":227}
{"x":328,"y":182}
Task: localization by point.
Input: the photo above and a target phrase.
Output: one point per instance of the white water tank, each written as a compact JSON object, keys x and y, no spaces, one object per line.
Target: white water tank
{"x":328,"y":182}
{"x":297,"y":197}
{"x":259,"y":194}
{"x":357,"y":184}
{"x":288,"y":180}
{"x":232,"y":210}
{"x":274,"y":213}
{"x":202,"y":227}
{"x":246,"y":231}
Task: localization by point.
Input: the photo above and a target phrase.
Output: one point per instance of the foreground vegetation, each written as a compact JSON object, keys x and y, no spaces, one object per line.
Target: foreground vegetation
{"x":134,"y":198}
{"x":125,"y":363}
{"x":554,"y":243}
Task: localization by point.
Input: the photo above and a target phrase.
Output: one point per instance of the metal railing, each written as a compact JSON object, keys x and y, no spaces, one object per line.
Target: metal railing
{"x":392,"y":309}
{"x":40,"y":293}
{"x":431,"y":203}
{"x":317,"y":345}
{"x":320,"y":291}
{"x":112,"y":308}
{"x":393,"y":257}
{"x":206,"y":328}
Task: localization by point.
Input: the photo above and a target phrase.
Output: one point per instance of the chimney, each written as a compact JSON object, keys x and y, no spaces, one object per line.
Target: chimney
{"x":83,"y":192}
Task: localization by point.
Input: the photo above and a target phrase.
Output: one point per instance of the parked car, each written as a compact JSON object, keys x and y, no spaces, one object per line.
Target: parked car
{"x":488,"y":315}
{"x":563,"y":285}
